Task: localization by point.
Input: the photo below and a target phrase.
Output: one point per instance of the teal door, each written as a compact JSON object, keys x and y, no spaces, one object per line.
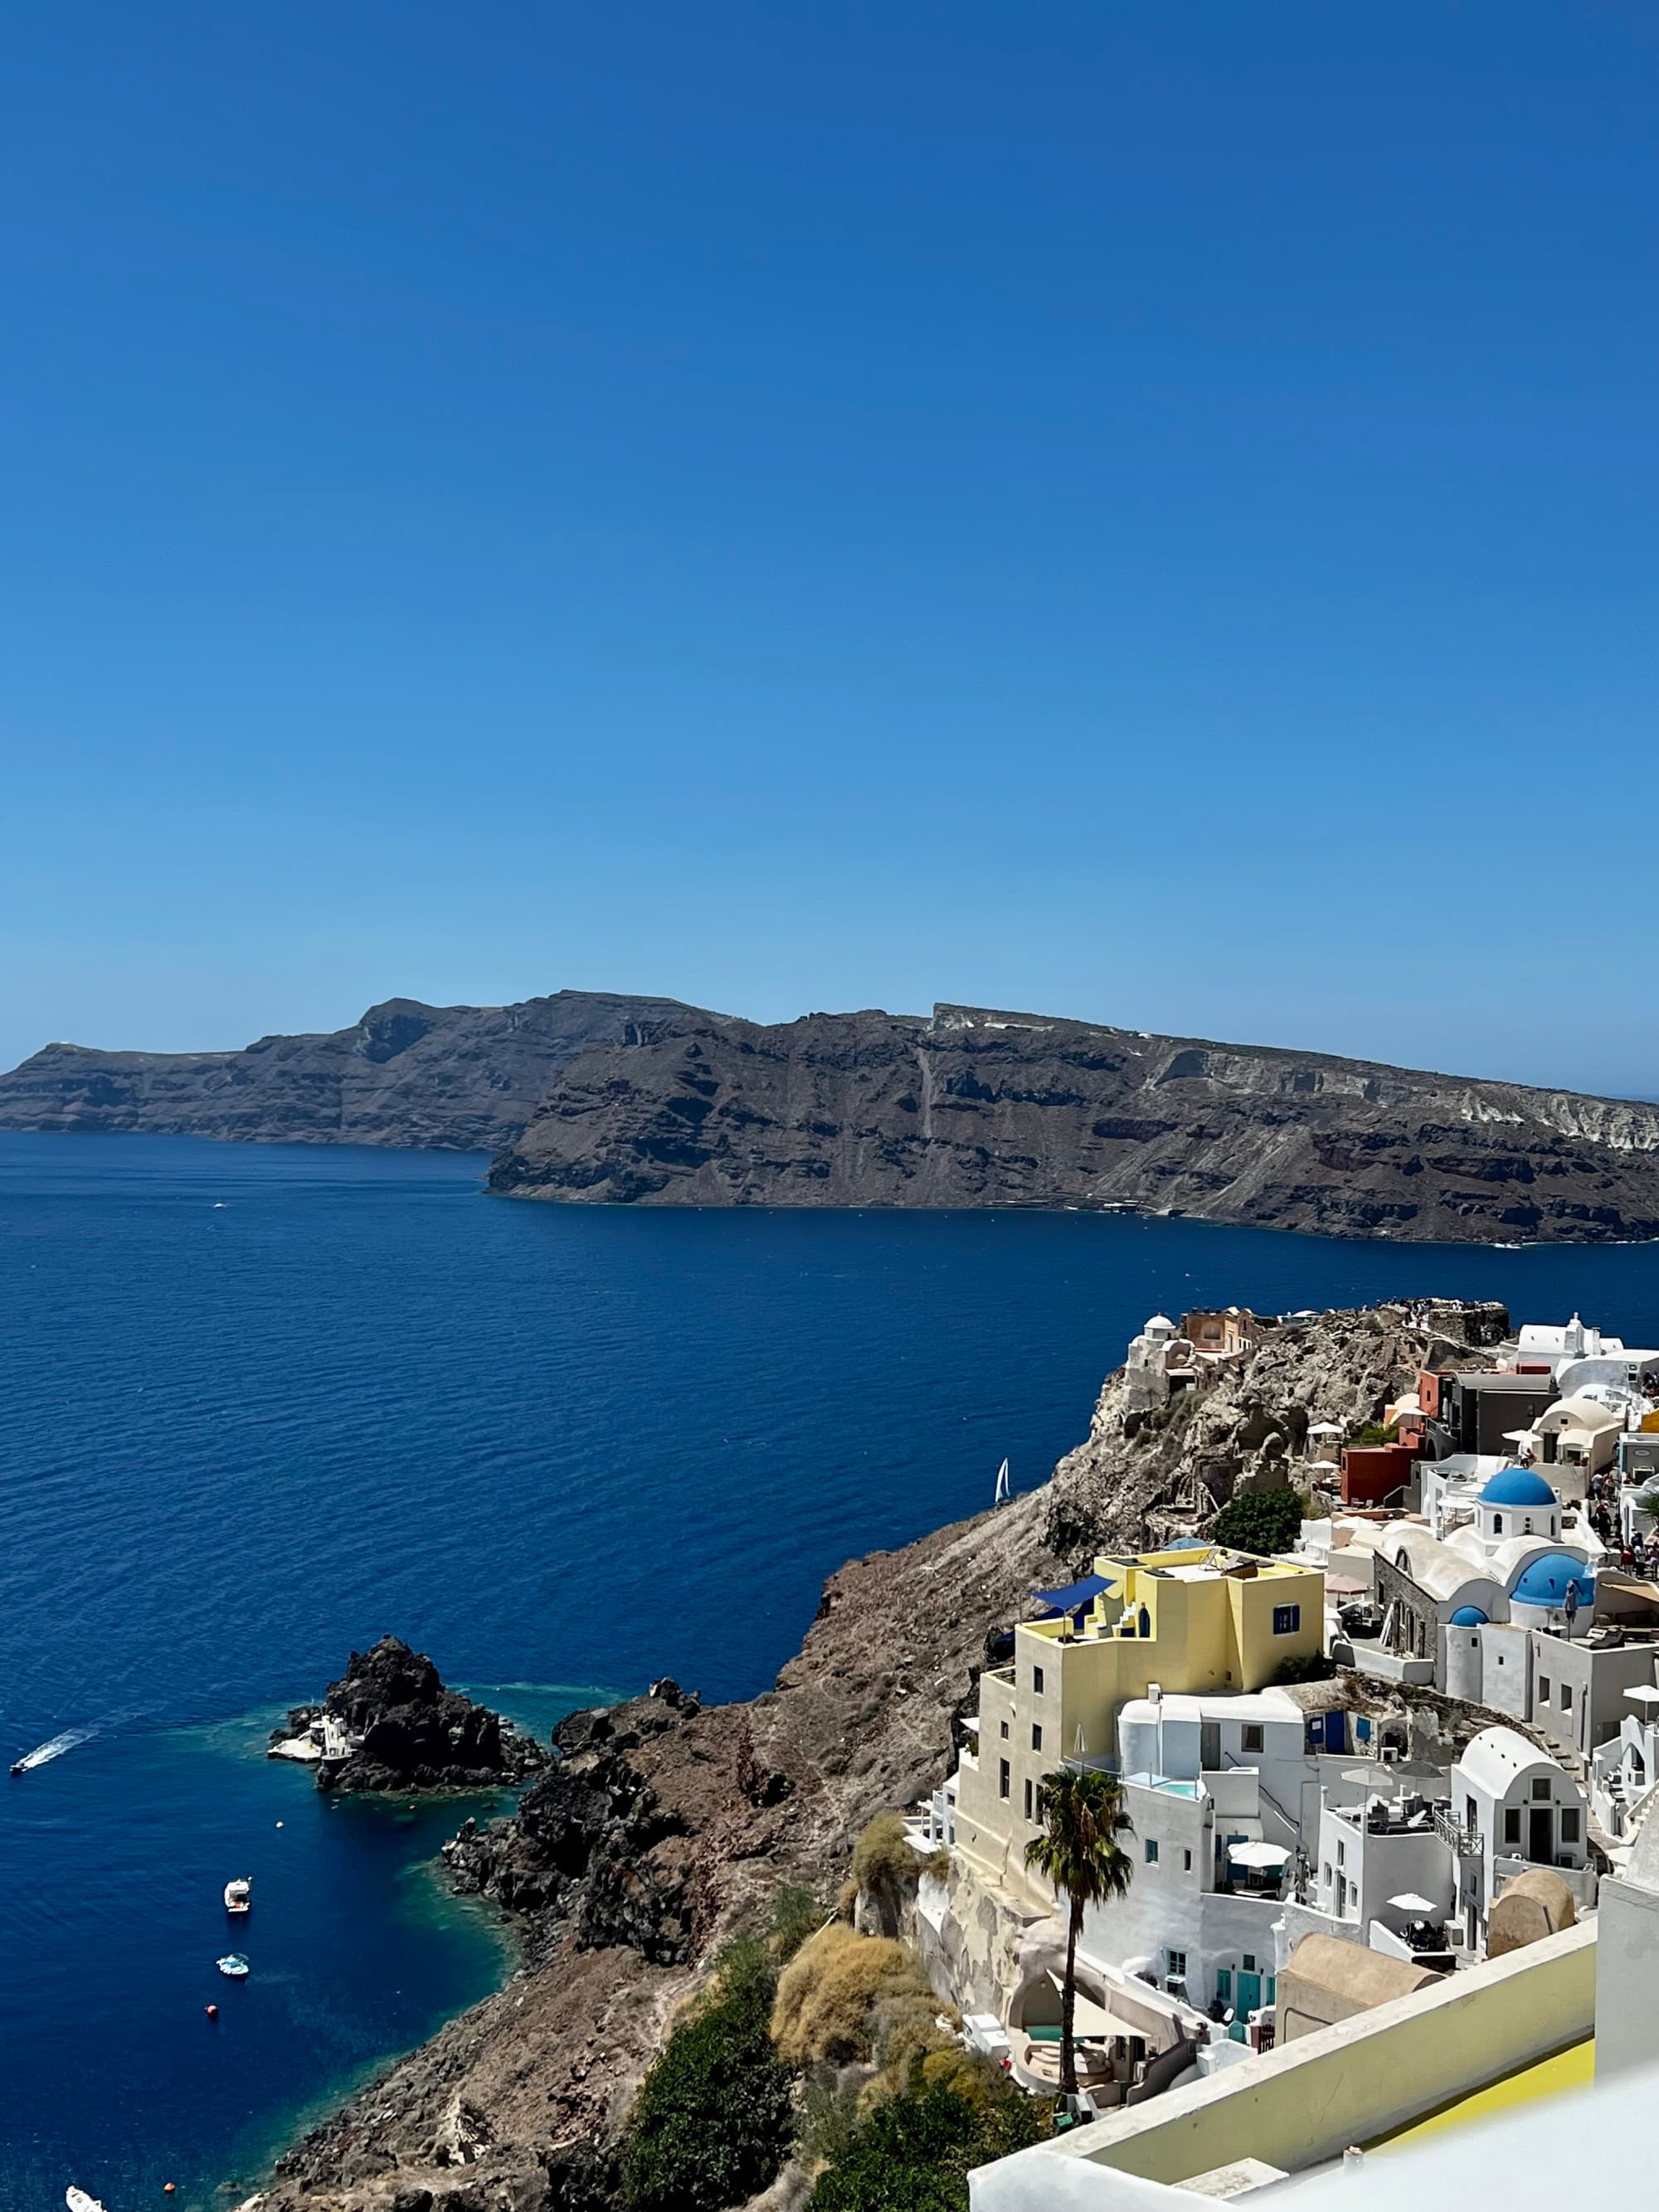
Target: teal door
{"x":1249,"y":1994}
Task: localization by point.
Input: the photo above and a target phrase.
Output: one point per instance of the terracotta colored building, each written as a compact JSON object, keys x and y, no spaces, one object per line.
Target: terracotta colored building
{"x":1374,"y":1474}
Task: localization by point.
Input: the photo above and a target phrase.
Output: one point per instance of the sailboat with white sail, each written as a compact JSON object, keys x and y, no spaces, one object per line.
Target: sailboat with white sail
{"x":1003,"y":1492}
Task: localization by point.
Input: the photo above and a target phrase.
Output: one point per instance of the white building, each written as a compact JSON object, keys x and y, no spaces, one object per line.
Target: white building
{"x":1382,"y":1864}
{"x":1575,"y":1438}
{"x":1546,"y":1344}
{"x":1513,"y":1807}
{"x":1214,"y":1787}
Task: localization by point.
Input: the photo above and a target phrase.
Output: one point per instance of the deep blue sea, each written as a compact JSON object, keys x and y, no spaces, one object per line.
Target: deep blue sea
{"x":258,"y":1405}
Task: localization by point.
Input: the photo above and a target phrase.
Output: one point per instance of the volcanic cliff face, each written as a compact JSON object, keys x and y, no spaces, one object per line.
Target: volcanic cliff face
{"x":460,"y":1078}
{"x":667,"y":1824}
{"x":978,"y":1108}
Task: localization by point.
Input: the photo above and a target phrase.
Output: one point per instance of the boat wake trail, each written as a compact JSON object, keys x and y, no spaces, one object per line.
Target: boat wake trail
{"x":44,"y":1754}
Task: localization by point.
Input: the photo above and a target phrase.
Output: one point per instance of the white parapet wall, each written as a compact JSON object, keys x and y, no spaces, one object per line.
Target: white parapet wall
{"x":1307,"y":2101}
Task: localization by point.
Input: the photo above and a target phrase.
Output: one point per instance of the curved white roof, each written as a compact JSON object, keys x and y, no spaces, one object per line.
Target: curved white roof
{"x":1438,"y":1568}
{"x":1269,"y":1704}
{"x":1499,"y":1755}
{"x":1577,"y":1413}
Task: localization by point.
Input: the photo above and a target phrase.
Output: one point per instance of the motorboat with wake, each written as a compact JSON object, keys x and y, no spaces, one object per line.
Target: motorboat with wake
{"x":232,"y":1966}
{"x":44,"y":1754}
{"x":238,"y":1894}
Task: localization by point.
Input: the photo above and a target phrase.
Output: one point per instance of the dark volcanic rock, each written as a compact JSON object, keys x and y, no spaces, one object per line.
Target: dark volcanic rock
{"x":412,"y":1733}
{"x":457,"y":1079}
{"x":978,"y":1108}
{"x":593,"y":1841}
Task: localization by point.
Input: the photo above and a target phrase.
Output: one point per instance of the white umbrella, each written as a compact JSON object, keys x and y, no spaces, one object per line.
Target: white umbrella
{"x":1409,"y":1901}
{"x":1256,"y":1855}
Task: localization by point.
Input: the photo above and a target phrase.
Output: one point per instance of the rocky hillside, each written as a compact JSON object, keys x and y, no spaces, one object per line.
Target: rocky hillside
{"x":463,"y":1079}
{"x":979,"y":1109}
{"x":667,"y":1824}
{"x":1154,"y":1474}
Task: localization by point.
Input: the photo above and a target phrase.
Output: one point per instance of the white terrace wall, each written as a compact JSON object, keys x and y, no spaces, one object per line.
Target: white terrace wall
{"x":1306,"y":2102}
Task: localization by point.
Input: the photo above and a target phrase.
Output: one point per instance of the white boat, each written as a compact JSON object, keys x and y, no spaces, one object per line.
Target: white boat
{"x":238,"y":1894}
{"x":78,"y":2201}
{"x":1002,"y":1497}
{"x":234,"y":1964}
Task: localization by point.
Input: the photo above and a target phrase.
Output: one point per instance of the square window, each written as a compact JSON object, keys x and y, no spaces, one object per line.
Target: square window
{"x":1540,"y":1789}
{"x":1036,"y":1735}
{"x":1544,"y":1688}
{"x":1177,"y":1963}
{"x":1151,"y":1850}
{"x":1250,"y":1962}
{"x":1566,"y":1698}
{"x":1287,"y":1620}
{"x":1255,"y":1738}
{"x":1002,"y":1780}
{"x":1036,"y":1682}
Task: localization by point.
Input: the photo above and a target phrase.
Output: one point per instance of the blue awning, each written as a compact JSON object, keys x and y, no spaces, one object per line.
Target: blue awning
{"x":1073,"y":1595}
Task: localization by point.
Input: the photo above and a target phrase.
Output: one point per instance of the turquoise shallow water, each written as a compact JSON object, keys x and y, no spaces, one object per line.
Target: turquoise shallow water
{"x":261,"y":1404}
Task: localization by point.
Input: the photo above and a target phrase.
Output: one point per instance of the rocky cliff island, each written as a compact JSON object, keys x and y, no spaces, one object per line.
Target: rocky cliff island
{"x":389,"y":1724}
{"x":666,"y":1826}
{"x":587,"y":1097}
{"x":972,"y":1109}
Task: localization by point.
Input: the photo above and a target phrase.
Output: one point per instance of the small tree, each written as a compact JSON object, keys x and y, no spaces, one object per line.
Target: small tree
{"x":714,"y":2119}
{"x":886,"y":1870}
{"x":1263,"y":1521}
{"x":1082,"y":1816}
{"x":913,"y":2152}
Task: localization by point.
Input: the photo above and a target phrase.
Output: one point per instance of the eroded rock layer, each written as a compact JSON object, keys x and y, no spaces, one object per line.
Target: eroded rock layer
{"x":457,"y":1079}
{"x":972,"y":1107}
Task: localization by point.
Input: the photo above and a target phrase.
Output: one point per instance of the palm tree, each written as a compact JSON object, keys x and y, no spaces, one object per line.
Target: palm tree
{"x":1082,"y":1816}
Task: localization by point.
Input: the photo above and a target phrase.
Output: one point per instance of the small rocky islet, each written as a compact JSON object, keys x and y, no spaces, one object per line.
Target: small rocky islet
{"x":389,"y":1724}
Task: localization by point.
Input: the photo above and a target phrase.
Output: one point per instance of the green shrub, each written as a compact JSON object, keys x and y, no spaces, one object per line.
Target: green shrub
{"x":914,"y":2152}
{"x":1374,"y":1432}
{"x":882,"y":1854}
{"x":796,"y":1915}
{"x":1264,"y":1520}
{"x":1311,"y":1666}
{"x":714,"y":2121}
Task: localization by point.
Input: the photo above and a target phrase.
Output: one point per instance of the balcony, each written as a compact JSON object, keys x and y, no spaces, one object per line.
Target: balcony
{"x":1465,"y":1840}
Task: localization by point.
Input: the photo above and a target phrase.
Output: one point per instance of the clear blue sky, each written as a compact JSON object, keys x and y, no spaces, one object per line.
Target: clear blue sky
{"x":1144,"y":511}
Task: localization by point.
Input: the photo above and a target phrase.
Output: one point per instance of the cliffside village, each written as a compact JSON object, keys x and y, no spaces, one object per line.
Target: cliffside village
{"x":1389,"y":1787}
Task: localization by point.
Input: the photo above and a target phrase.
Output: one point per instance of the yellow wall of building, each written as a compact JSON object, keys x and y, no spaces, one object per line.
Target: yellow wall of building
{"x":1211,"y":1633}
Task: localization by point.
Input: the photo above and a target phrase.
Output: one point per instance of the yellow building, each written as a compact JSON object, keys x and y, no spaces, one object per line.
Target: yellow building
{"x":1196,"y":1619}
